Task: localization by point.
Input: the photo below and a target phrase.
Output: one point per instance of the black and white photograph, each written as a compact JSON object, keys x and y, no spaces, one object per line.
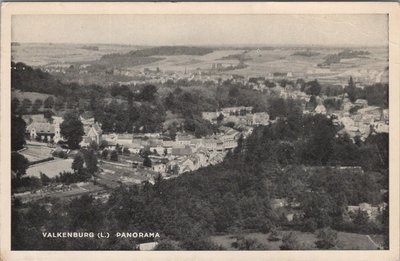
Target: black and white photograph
{"x":223,"y":132}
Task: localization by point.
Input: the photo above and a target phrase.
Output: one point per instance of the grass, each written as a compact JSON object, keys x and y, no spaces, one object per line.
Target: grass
{"x":35,"y":153}
{"x":346,"y":241}
{"x":50,"y":168}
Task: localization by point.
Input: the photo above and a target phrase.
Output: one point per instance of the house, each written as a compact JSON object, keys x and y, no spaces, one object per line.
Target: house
{"x":183,"y":139}
{"x":134,"y":147}
{"x":320,"y":109}
{"x":135,"y":160}
{"x":124,"y":139}
{"x":372,"y":211}
{"x":147,"y":246}
{"x":159,"y":149}
{"x":44,"y":131}
{"x":240,"y":110}
{"x":30,"y":118}
{"x":181,"y":151}
{"x":373,"y":112}
{"x":279,"y":203}
{"x":361,"y":103}
{"x":210,"y":116}
{"x":92,"y":134}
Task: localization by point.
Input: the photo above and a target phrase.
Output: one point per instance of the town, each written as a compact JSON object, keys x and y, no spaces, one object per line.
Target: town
{"x":71,"y":141}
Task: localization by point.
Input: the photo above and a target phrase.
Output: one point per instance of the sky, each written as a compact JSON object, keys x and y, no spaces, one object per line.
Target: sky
{"x":361,"y":29}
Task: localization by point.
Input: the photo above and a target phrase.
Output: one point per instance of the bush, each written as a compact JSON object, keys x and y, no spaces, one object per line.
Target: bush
{"x":274,"y":235}
{"x":126,"y":151}
{"x":167,"y":245}
{"x":327,"y":239}
{"x":249,"y":244}
{"x":114,"y":156}
{"x":290,"y":242}
{"x":104,"y":154}
{"x":60,"y":154}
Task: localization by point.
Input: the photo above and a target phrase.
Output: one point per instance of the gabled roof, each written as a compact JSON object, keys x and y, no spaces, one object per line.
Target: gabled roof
{"x":41,"y":127}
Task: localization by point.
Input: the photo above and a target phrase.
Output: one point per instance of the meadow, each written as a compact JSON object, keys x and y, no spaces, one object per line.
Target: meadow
{"x":346,"y":241}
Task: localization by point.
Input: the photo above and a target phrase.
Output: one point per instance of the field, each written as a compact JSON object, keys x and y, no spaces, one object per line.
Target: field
{"x":346,"y":241}
{"x":50,"y":168}
{"x":29,"y":95}
{"x":35,"y":153}
{"x":36,"y":54}
{"x":259,"y":62}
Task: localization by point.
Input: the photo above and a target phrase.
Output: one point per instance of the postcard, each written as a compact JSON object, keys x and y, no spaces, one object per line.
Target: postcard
{"x":200,"y":131}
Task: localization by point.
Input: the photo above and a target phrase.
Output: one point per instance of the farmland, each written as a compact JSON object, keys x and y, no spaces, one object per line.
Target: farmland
{"x":256,"y":61}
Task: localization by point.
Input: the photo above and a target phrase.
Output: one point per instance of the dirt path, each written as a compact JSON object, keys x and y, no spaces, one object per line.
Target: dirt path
{"x":373,"y":242}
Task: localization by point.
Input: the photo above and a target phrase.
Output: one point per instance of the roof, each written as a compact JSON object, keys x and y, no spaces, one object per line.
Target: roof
{"x":136,"y":157}
{"x":41,"y":127}
{"x":361,"y":101}
{"x":34,"y":118}
{"x":368,"y":109}
{"x":182,"y":151}
{"x":125,"y":136}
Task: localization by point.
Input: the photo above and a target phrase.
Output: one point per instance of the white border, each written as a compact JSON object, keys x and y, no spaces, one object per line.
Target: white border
{"x":9,"y":9}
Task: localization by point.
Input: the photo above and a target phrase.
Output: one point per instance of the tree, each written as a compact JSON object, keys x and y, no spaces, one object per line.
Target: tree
{"x":172,"y":131}
{"x":126,"y":151}
{"x":313,"y":88}
{"x":220,"y":118}
{"x":72,"y":130}
{"x":351,"y":90}
{"x":103,"y":144}
{"x":104,"y":154}
{"x":361,"y":218}
{"x":91,"y":160}
{"x":93,"y":145}
{"x":59,"y":103}
{"x":77,"y":164}
{"x":327,"y":239}
{"x":147,"y":161}
{"x":114,"y":156}
{"x":19,"y":164}
{"x":37,"y":105}
{"x":26,"y":105}
{"x":148,"y":93}
{"x":15,"y":105}
{"x":49,"y":102}
{"x":48,"y":114}
{"x":18,"y":127}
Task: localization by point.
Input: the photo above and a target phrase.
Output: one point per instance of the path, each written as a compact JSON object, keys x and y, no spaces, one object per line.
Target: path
{"x":373,"y":242}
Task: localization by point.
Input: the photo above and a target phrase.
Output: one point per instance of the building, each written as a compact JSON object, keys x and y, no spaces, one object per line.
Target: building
{"x":371,"y":211}
{"x":260,"y":118}
{"x":44,"y":131}
{"x":93,"y":133}
{"x":124,"y":139}
{"x":361,"y":103}
{"x":320,"y":109}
